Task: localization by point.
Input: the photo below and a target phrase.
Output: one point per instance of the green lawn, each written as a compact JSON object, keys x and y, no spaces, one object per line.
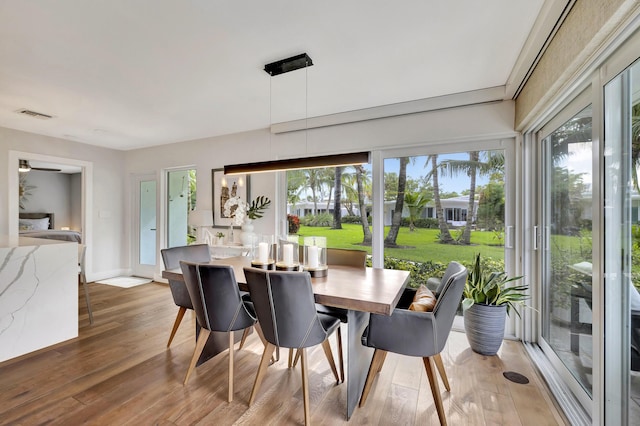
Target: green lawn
{"x":420,"y":245}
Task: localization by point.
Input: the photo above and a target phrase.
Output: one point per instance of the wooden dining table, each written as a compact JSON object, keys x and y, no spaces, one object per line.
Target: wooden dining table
{"x":360,"y":291}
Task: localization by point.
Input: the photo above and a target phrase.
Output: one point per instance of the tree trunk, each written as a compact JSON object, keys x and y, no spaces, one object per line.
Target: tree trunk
{"x":392,"y":236}
{"x":445,"y":235}
{"x":315,"y":200}
{"x":337,"y":203}
{"x":366,"y":231}
{"x":474,"y":157}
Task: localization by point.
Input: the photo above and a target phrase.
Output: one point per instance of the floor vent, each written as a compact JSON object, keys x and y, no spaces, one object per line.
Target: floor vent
{"x":34,"y":114}
{"x":516,"y":377}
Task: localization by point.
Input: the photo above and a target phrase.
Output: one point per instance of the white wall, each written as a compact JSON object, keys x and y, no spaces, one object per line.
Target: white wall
{"x":109,"y":244}
{"x":51,"y":193}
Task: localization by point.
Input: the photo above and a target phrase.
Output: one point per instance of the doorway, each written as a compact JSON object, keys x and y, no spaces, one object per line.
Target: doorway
{"x":145,"y":210}
{"x":86,"y":189}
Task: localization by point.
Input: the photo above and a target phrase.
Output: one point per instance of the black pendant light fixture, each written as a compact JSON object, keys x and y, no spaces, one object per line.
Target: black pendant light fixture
{"x":280,"y":67}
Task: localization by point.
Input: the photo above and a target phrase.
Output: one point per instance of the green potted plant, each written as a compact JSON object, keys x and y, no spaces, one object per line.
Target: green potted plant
{"x":488,"y":298}
{"x":220,"y":238}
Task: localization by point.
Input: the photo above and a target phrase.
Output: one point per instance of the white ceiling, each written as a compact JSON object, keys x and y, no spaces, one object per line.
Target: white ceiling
{"x":129,"y":74}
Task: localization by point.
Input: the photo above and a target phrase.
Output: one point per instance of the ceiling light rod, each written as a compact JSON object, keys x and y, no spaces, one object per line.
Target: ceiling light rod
{"x":335,"y":160}
{"x":290,"y":64}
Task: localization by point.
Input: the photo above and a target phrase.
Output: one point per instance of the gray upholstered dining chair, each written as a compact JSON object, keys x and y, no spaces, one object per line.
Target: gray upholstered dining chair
{"x":342,"y":257}
{"x":285,"y":308}
{"x":171,"y":257}
{"x":218,"y":306}
{"x":418,"y":334}
{"x":82,"y":276}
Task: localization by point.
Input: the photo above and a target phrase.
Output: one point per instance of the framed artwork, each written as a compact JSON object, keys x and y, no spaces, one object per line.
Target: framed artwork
{"x":224,"y":187}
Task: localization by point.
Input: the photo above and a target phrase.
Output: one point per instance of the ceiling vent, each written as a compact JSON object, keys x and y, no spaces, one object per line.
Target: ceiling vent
{"x":34,"y":114}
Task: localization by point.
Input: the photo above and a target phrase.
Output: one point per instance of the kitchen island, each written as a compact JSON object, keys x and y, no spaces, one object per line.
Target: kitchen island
{"x":38,"y":294}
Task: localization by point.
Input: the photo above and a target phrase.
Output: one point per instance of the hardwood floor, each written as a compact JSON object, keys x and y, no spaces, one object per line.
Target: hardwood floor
{"x":119,"y":372}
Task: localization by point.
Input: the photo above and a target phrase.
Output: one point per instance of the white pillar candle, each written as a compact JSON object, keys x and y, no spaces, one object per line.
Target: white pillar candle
{"x":312,"y":254}
{"x":287,"y":254}
{"x":263,"y":252}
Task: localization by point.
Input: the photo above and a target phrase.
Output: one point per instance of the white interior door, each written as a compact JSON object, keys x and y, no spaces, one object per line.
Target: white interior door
{"x":145,"y":206}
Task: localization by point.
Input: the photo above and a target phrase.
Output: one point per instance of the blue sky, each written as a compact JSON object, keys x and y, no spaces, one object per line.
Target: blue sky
{"x":417,"y":168}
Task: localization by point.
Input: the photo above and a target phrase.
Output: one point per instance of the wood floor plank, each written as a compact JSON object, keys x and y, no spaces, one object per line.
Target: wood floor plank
{"x":119,"y":371}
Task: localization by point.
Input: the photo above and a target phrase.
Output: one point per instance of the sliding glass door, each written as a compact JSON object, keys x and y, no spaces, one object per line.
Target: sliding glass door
{"x":565,"y":236}
{"x":622,"y":246}
{"x":443,"y":204}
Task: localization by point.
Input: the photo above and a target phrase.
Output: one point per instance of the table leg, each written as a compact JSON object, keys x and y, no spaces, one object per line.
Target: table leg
{"x":358,"y":358}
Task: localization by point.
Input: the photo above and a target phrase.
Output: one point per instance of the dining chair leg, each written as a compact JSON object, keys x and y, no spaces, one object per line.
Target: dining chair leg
{"x":297,"y":358}
{"x":176,"y":323}
{"x":290,"y":357}
{"x":381,"y":363}
{"x":231,"y":356}
{"x":258,"y":329}
{"x":202,"y":340}
{"x":326,"y":346}
{"x":437,"y":359}
{"x":245,"y":333}
{"x":376,"y":364}
{"x":83,"y":279}
{"x":305,"y":385}
{"x":264,"y":362}
{"x":435,"y":390}
{"x":340,"y":355}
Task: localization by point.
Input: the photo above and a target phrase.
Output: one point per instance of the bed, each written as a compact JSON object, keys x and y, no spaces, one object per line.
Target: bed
{"x":42,"y":225}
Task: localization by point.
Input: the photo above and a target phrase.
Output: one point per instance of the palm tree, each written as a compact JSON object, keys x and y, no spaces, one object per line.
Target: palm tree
{"x":366,"y":231}
{"x":296,"y":182}
{"x":445,"y":235}
{"x":313,"y":182}
{"x":327,"y":178}
{"x":337,"y":196}
{"x":494,"y":161}
{"x":350,"y":188}
{"x":396,"y":221}
{"x":416,"y":203}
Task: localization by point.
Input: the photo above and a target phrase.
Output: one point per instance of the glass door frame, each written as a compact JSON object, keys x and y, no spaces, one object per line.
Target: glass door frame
{"x":541,"y":239}
{"x":514,"y":326}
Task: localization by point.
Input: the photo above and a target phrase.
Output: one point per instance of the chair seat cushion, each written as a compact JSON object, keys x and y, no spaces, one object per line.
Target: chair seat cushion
{"x":423,"y":301}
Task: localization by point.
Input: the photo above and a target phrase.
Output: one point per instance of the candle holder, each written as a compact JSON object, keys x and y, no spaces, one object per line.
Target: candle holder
{"x":315,"y":256}
{"x":262,"y":253}
{"x":287,"y":256}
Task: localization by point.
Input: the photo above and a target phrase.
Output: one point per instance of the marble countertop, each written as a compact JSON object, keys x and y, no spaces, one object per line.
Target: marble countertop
{"x":15,"y":241}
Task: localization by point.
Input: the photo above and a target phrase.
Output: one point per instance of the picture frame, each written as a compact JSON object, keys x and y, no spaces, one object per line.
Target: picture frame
{"x":220,"y":181}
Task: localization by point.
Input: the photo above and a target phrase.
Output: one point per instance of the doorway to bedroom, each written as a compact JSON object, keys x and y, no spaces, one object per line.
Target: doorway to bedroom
{"x":59,"y":187}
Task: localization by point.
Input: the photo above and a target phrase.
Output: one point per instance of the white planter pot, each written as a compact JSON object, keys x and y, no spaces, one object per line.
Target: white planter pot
{"x":247,"y":232}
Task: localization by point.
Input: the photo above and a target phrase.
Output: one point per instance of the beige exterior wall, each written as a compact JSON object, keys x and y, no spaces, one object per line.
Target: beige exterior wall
{"x":585,"y":30}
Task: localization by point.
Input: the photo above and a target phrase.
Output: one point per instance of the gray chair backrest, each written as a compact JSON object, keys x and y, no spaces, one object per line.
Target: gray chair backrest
{"x":346,"y":257}
{"x":448,"y":301}
{"x":215,"y":297}
{"x":285,"y":307}
{"x":452,"y":268}
{"x":171,"y":257}
{"x":198,"y":253}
